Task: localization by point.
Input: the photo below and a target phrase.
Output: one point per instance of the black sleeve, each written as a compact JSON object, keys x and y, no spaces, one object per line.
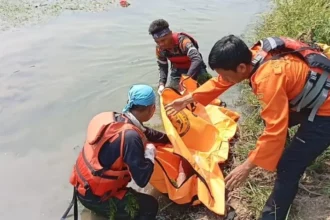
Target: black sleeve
{"x":140,"y":168}
{"x":196,"y":61}
{"x":194,"y":56}
{"x":163,"y":72}
{"x":156,"y":136}
{"x":163,"y":66}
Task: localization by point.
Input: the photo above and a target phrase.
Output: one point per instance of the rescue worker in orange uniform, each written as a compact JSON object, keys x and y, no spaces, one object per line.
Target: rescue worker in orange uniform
{"x":116,"y":150}
{"x":290,"y":79}
{"x":181,"y":50}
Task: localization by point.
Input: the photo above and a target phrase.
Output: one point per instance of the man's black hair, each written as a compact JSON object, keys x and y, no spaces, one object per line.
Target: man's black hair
{"x":228,"y":52}
{"x":140,"y":108}
{"x":158,"y":25}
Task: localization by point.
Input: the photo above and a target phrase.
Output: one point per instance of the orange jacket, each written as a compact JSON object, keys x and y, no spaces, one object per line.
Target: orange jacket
{"x":88,"y":173}
{"x":274,"y":83}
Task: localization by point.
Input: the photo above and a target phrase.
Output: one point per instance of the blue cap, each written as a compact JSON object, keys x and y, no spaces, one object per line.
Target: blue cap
{"x":140,"y":95}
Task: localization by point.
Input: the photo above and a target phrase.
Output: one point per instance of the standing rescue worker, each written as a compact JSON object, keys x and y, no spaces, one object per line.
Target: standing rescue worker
{"x":117,"y":150}
{"x":181,"y":50}
{"x":291,"y":81}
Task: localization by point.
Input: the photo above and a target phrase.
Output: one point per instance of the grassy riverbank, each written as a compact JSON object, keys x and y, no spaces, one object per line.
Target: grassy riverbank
{"x":290,"y":18}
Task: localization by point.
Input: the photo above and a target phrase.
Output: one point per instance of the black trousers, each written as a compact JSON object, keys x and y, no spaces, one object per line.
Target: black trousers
{"x":142,"y":206}
{"x":310,"y":141}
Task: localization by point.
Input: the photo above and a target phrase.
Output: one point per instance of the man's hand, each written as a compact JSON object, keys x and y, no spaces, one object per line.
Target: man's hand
{"x":176,"y":106}
{"x":238,"y":176}
{"x":160,"y":89}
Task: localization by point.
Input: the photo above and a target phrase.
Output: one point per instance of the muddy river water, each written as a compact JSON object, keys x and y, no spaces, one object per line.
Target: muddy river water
{"x":55,"y":77}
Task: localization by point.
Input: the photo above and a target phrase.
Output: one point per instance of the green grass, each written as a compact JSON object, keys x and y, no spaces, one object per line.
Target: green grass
{"x":292,"y":17}
{"x":319,"y":165}
{"x":113,"y":210}
{"x":132,"y":206}
{"x":289,"y":18}
{"x":326,"y":189}
{"x":256,"y":196}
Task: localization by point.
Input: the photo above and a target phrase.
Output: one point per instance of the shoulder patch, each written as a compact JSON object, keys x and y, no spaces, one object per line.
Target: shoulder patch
{"x":277,"y":67}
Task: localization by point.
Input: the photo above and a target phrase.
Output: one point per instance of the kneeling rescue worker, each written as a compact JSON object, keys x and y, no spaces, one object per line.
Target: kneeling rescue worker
{"x":291,"y":81}
{"x":181,"y":50}
{"x":117,"y":150}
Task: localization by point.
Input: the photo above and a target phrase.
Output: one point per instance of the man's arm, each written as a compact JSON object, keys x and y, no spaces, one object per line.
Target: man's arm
{"x":155,"y":136}
{"x":163,"y":67}
{"x":140,"y":168}
{"x":196,"y":59}
{"x":210,"y":90}
{"x":204,"y":95}
{"x":275,"y":112}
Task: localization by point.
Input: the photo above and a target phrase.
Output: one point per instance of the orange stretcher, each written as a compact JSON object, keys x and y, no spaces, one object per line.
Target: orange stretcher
{"x":200,"y":138}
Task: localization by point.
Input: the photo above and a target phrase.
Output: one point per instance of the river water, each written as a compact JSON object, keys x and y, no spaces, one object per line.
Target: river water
{"x":55,"y":77}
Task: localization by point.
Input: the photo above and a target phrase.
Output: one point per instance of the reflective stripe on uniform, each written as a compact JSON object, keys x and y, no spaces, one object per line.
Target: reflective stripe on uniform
{"x":161,"y":61}
{"x":190,"y":49}
{"x":272,"y":42}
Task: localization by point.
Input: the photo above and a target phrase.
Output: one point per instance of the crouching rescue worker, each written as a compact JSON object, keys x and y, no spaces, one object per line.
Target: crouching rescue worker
{"x":117,"y":150}
{"x":181,"y":50}
{"x":291,"y":81}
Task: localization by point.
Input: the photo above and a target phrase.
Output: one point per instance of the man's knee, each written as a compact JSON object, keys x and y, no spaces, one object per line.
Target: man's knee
{"x":151,"y":204}
{"x":148,"y":205}
{"x":288,"y":173}
{"x":293,"y":162}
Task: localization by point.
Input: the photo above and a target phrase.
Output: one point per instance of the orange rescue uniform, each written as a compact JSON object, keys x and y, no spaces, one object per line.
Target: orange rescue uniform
{"x":274,"y":83}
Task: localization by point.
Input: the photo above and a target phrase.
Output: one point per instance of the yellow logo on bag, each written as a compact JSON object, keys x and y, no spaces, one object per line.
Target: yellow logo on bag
{"x":181,"y":123}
